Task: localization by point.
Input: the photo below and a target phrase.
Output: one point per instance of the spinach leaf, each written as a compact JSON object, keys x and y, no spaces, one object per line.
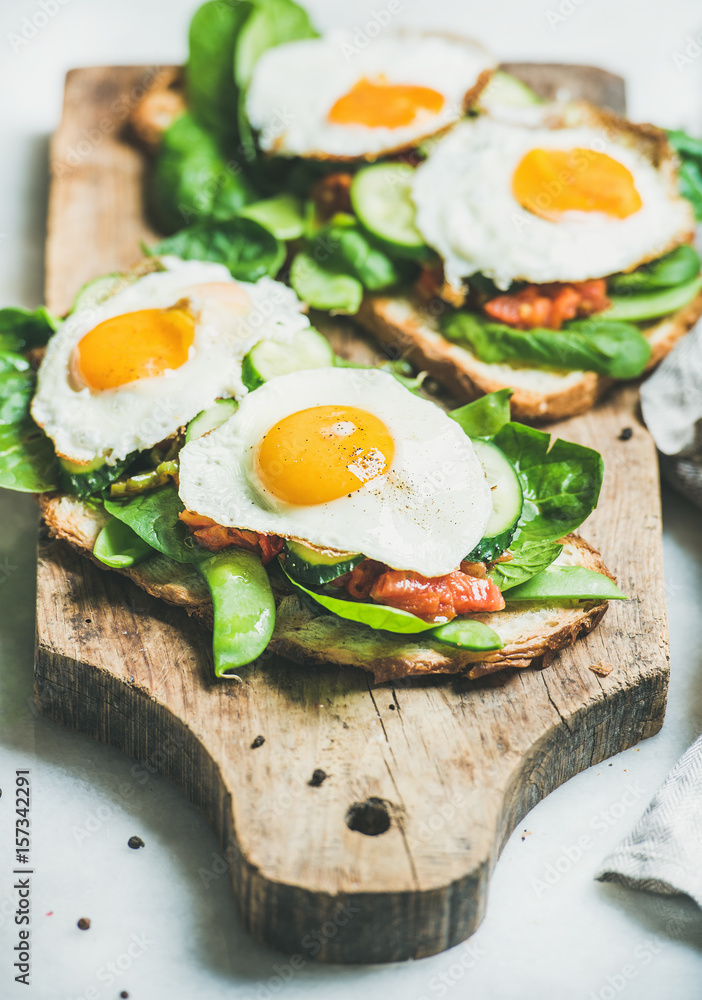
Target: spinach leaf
{"x":270,"y":23}
{"x":561,"y":481}
{"x":528,"y":559}
{"x":322,"y":287}
{"x":376,"y":616}
{"x":484,"y":417}
{"x":21,"y":329}
{"x":192,"y":179}
{"x":154,"y":517}
{"x":27,"y":457}
{"x":94,"y":479}
{"x":213,"y":37}
{"x":247,"y":249}
{"x":616,"y":349}
{"x":567,"y":583}
{"x":281,"y":215}
{"x":676,"y":268}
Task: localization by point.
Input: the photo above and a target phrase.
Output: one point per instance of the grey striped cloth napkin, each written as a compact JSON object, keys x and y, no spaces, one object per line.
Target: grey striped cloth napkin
{"x":663,"y":853}
{"x":671,"y":402}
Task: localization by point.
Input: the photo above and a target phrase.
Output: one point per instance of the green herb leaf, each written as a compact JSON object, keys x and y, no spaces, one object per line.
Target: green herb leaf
{"x":567,"y":583}
{"x":376,"y":616}
{"x":119,"y":547}
{"x":247,"y":249}
{"x":609,"y":348}
{"x":484,"y":417}
{"x":561,"y":481}
{"x":154,"y":517}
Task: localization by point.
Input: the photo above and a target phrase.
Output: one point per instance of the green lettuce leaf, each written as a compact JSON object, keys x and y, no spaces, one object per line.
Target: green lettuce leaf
{"x":611,"y":348}
{"x":154,"y":518}
{"x":247,"y":249}
{"x":561,"y":481}
{"x":376,"y":616}
{"x":528,"y":559}
{"x":567,"y":583}
{"x":484,"y":417}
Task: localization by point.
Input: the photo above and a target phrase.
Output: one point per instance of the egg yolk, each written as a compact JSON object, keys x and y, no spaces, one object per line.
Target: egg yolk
{"x":379,"y":104}
{"x":549,"y":182}
{"x":323,"y":453}
{"x":133,"y":346}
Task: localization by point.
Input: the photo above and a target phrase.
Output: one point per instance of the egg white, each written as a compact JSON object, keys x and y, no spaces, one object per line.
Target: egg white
{"x":87,"y":424}
{"x":425,"y":514}
{"x":466,"y":209}
{"x":295,"y":85}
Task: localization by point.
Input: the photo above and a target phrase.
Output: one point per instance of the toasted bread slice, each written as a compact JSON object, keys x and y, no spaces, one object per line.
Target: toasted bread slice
{"x":533,"y":632}
{"x":406,"y":324}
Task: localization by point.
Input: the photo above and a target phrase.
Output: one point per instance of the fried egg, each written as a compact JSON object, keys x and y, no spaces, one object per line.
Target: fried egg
{"x":124,"y":375}
{"x":328,"y":98}
{"x":346,"y":459}
{"x":574,"y":196}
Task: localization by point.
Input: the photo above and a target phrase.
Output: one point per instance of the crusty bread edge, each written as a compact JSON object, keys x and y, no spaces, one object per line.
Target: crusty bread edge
{"x":307,"y":637}
{"x":457,"y":368}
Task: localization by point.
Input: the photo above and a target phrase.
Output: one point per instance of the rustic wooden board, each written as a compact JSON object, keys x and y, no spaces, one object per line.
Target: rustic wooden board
{"x":390,"y":857}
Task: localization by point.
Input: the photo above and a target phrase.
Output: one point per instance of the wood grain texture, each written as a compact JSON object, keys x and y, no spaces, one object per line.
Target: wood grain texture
{"x":446,"y":768}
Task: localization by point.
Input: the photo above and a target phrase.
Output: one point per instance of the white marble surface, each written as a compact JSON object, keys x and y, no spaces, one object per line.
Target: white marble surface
{"x":551,"y":931}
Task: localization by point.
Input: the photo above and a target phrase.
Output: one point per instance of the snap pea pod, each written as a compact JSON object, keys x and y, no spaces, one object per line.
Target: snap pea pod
{"x":244,"y":608}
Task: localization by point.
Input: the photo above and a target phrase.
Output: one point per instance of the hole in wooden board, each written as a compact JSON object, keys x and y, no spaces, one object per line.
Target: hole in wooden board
{"x":371,"y":817}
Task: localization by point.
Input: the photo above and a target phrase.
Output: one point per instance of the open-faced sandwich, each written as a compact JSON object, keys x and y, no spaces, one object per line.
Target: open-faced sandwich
{"x":182,"y":433}
{"x":494,"y":240}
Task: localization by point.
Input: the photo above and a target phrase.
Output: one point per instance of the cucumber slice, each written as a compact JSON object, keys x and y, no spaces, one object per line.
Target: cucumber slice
{"x":381,"y":196}
{"x":314,"y":566}
{"x":281,"y":216}
{"x":211,"y":418}
{"x":269,"y":358}
{"x":465,"y":633}
{"x":507,"y":501}
{"x":651,"y":305}
{"x":505,"y":90}
{"x":94,"y":292}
